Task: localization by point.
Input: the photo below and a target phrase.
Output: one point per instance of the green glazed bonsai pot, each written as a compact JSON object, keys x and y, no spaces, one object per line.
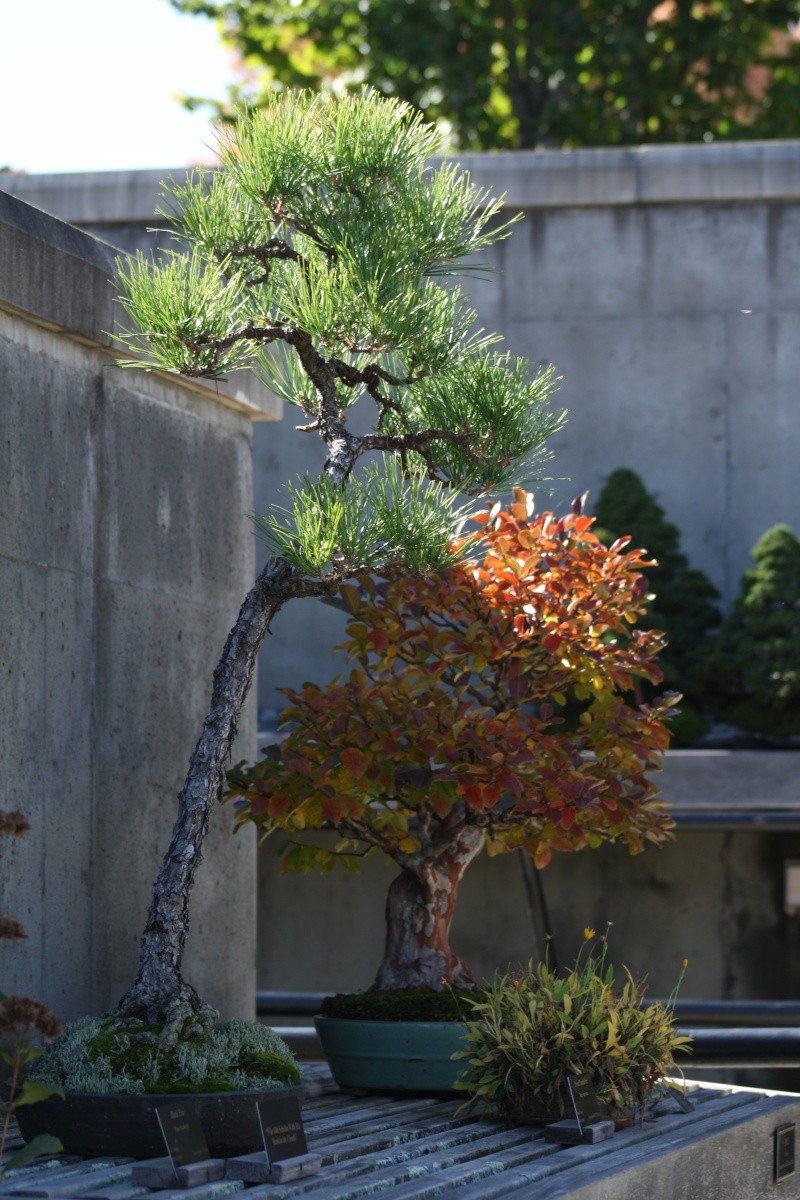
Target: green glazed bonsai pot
{"x":392,"y":1056}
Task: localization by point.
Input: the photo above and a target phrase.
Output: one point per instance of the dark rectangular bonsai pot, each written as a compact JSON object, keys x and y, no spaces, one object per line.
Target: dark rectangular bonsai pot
{"x":122,"y":1126}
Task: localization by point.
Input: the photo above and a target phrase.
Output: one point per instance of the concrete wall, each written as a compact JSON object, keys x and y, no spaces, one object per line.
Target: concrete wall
{"x":124,"y":555}
{"x":713,"y":895}
{"x":662,"y":281}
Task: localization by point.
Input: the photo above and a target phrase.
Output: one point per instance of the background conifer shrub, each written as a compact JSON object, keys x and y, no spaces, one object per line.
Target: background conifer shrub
{"x":753,"y":669}
{"x":683,"y":599}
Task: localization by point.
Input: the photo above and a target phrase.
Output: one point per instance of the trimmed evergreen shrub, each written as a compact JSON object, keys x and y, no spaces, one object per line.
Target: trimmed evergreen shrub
{"x":754,"y":666}
{"x":684,"y":603}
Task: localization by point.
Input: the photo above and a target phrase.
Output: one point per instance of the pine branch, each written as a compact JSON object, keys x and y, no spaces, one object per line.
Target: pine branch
{"x":353,"y":376}
{"x":420,"y":443}
{"x":281,"y":213}
{"x":249,"y":333}
{"x":266,"y":254}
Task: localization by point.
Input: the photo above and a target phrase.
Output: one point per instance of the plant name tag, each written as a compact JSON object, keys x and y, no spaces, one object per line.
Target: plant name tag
{"x":682,"y":1101}
{"x":182,"y":1133}
{"x":281,"y":1127}
{"x":584,"y":1101}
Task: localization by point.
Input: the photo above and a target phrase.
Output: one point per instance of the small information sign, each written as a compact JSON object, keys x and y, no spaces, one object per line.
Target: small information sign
{"x":683,"y":1102}
{"x":183,"y":1134}
{"x":281,"y":1127}
{"x":784,"y":1151}
{"x":584,"y":1101}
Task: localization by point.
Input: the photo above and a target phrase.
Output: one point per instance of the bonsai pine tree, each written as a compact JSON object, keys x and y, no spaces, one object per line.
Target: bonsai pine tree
{"x":754,"y":666}
{"x":683,"y":605}
{"x":446,"y":737}
{"x":318,"y":256}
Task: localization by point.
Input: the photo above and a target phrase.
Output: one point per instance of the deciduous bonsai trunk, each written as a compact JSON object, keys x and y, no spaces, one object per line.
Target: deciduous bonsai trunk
{"x":419,"y":910}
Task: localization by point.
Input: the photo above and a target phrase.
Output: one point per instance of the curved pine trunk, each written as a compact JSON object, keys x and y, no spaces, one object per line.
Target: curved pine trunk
{"x":159,"y":994}
{"x":419,"y":911}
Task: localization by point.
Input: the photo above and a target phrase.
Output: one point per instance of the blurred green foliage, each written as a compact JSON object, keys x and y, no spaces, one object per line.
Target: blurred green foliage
{"x":508,"y":73}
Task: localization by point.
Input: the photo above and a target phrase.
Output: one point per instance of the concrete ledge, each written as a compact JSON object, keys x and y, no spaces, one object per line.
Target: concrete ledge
{"x":89,"y":197}
{"x":687,"y":174}
{"x":62,"y":279}
{"x":744,"y":780}
{"x":55,"y":273}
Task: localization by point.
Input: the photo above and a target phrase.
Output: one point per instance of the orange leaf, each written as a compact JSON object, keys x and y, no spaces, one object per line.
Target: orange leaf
{"x":542,"y":855}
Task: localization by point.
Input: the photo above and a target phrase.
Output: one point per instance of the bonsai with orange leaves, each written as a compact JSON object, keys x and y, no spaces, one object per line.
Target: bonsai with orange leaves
{"x":488,"y":707}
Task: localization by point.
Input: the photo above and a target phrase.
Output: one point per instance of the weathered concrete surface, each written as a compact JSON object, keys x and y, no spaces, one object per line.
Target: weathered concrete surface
{"x":125,"y":552}
{"x":737,"y":171}
{"x":730,"y":1154}
{"x":713,"y":897}
{"x":663,"y":282}
{"x":60,"y":277}
{"x":760,"y":781}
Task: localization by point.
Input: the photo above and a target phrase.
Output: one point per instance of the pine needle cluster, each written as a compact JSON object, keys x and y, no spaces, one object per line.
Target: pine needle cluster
{"x":318,"y":256}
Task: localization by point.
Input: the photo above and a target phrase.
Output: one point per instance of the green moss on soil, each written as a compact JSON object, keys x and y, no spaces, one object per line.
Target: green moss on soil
{"x":97,"y":1055}
{"x":412,"y":1005}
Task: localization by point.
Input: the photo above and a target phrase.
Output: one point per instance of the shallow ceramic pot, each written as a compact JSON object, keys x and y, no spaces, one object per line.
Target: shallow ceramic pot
{"x":127,"y":1126}
{"x":392,"y":1056}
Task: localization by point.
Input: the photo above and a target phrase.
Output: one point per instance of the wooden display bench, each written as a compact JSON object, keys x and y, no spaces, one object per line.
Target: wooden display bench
{"x":737,"y":1143}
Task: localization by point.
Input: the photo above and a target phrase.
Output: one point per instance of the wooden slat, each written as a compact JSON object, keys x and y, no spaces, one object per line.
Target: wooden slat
{"x":413,"y":1149}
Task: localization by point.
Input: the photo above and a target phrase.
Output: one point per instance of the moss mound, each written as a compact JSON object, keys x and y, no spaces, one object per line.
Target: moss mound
{"x":412,"y":1005}
{"x":97,"y":1055}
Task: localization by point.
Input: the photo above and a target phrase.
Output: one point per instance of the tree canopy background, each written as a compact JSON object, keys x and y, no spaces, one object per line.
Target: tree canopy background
{"x":516,"y":74}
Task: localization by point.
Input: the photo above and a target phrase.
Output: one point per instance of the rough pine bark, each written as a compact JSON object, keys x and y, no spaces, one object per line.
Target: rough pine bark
{"x":419,"y":911}
{"x":159,"y":994}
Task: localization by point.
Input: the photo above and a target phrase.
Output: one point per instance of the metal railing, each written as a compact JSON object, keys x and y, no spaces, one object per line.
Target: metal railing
{"x":737,"y":1034}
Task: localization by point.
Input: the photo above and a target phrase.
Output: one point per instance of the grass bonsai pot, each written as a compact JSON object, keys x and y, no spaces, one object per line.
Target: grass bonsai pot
{"x":535,"y":1031}
{"x":114,"y":1078}
{"x":487,"y":708}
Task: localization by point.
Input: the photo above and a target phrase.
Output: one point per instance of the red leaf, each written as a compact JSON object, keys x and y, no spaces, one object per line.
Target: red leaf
{"x":491,"y":795}
{"x":331,"y":810}
{"x":378,"y":640}
{"x":356,"y":762}
{"x":473,"y":797}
